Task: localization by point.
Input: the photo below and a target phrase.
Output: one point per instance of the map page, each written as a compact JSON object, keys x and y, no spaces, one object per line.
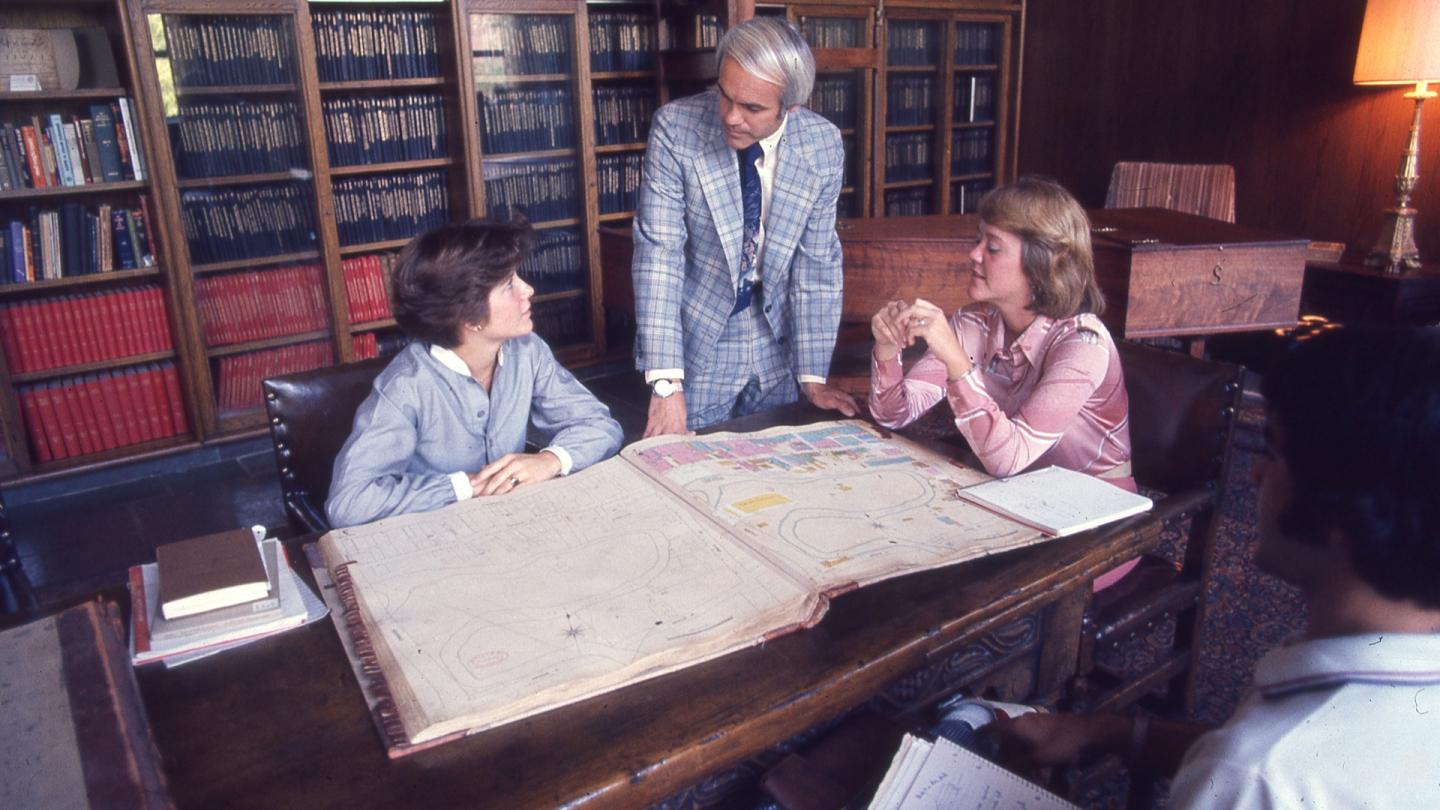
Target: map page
{"x":497,"y":608}
{"x":835,"y":503}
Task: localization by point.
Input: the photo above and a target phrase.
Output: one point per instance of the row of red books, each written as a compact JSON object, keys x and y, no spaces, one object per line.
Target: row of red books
{"x":240,"y":374}
{"x":365,"y":287}
{"x":365,"y":346}
{"x":256,"y":305}
{"x":91,"y":413}
{"x":69,"y":330}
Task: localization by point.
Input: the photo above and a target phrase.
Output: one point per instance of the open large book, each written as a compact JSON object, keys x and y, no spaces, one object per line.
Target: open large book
{"x":677,"y":551}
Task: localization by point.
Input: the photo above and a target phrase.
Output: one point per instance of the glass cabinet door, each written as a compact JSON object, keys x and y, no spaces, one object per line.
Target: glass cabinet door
{"x":979,"y":48}
{"x":527,"y":96}
{"x":239,"y":154}
{"x":387,"y":99}
{"x":914,"y":86}
{"x":845,"y":59}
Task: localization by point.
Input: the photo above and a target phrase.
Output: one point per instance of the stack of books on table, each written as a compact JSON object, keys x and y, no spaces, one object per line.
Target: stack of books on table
{"x":212,"y":593}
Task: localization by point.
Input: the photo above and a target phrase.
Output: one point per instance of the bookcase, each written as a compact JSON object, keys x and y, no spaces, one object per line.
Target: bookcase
{"x":300,"y":146}
{"x":240,"y":180}
{"x":89,"y":369}
{"x":926,"y":96}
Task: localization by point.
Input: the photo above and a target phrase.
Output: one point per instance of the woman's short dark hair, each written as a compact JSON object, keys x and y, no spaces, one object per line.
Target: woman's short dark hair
{"x":1359,"y":417}
{"x":1055,"y":238}
{"x":443,"y":278}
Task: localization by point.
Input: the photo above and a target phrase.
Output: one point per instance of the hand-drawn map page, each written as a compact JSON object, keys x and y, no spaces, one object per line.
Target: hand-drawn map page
{"x":501,"y":607}
{"x":834,"y":502}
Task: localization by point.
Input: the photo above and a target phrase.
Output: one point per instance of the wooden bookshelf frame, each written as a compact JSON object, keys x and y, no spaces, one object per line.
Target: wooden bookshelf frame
{"x":683,"y":63}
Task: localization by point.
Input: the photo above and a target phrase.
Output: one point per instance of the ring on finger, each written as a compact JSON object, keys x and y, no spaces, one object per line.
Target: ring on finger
{"x":514,"y":481}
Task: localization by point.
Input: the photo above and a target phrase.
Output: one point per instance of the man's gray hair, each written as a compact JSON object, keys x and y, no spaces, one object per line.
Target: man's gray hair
{"x":772,"y":49}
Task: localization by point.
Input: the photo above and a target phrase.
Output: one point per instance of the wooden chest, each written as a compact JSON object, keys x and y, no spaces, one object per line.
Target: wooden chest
{"x":905,"y":257}
{"x":885,"y":259}
{"x":1168,"y":273}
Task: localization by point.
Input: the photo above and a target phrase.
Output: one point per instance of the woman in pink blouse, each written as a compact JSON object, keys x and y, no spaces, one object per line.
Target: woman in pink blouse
{"x":1030,"y":372}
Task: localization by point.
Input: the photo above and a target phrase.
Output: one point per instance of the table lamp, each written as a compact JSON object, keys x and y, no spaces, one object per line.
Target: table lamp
{"x":1400,"y":44}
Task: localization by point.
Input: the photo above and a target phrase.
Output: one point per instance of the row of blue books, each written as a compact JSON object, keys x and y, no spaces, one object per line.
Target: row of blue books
{"x":211,"y":51}
{"x":543,"y":189}
{"x":248,"y":222}
{"x":383,"y":129}
{"x":219,"y":138}
{"x":355,"y":45}
{"x":380,"y":208}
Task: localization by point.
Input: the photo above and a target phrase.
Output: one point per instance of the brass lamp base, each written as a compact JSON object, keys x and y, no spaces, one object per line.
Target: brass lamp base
{"x":1395,"y":250}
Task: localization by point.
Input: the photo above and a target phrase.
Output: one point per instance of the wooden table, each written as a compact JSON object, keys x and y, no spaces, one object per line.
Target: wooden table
{"x":281,"y":723}
{"x":1354,"y":293}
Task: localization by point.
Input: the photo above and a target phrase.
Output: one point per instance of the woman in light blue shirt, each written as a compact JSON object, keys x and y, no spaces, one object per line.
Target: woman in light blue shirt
{"x":448,"y":418}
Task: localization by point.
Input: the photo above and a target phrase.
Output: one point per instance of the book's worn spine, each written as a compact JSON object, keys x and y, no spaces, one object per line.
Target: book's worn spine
{"x":117,"y":753}
{"x":387,"y":714}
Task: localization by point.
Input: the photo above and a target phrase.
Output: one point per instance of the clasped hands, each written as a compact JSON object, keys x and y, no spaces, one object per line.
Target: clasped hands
{"x":514,"y":470}
{"x":899,"y":323}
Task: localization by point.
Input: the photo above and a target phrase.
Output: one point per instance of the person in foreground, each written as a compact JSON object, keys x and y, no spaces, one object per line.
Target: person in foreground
{"x":1348,"y":715}
{"x":448,"y":417}
{"x":737,"y":263}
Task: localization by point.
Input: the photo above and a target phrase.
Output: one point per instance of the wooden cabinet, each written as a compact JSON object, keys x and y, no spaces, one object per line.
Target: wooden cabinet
{"x":1169,"y":274}
{"x":301,"y":146}
{"x":237,"y":170}
{"x":90,"y":370}
{"x":925,"y":95}
{"x":285,"y":150}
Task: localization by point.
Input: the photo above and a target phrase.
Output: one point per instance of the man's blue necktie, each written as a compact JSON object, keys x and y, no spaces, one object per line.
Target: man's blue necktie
{"x":750,"y":199}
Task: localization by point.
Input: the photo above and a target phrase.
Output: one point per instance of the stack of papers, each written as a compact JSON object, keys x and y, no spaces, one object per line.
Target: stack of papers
{"x":176,"y":641}
{"x":942,"y":774}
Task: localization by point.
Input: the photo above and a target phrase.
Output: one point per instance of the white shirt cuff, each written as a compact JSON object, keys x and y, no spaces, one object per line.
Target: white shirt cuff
{"x":461,"y":482}
{"x":566,"y":462}
{"x":664,"y":374}
{"x":804,"y":378}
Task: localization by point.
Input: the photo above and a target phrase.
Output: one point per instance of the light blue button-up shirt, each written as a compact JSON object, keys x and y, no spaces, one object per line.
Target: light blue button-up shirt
{"x":425,"y":421}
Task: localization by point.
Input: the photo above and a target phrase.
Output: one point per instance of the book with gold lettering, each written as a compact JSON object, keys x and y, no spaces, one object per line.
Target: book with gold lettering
{"x":681,"y":549}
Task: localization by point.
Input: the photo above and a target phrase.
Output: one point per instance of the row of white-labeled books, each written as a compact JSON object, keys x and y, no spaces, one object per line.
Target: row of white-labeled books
{"x":213,"y":593}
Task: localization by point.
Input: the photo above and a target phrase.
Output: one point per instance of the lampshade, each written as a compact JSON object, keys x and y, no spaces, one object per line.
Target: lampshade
{"x":1399,"y":42}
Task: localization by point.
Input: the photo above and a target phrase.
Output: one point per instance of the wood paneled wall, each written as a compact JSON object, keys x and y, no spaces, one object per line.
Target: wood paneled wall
{"x":1264,"y":86}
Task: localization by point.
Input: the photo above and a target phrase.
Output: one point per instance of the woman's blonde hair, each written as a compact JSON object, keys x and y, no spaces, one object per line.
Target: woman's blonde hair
{"x":1055,"y":237}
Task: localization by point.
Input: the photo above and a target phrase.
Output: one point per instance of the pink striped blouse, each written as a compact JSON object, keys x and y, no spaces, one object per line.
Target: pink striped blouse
{"x":1054,"y":396}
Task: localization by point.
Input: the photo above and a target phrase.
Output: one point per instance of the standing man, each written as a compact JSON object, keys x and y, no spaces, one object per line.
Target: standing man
{"x":737,"y":264}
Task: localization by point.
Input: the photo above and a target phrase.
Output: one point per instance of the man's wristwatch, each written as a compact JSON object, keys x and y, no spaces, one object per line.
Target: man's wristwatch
{"x":664,"y":388}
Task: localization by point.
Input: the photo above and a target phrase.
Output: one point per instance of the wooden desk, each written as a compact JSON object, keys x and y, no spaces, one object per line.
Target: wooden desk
{"x":282,"y":723}
{"x":1354,"y":293}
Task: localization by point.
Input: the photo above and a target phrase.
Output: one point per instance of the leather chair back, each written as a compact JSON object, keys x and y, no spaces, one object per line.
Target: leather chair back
{"x":311,"y":413}
{"x":17,"y":595}
{"x":1182,"y":411}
